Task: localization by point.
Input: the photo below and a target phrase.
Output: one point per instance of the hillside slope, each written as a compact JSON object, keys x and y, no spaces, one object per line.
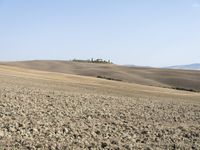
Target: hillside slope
{"x":187,"y":67}
{"x":48,"y":110}
{"x":179,"y":79}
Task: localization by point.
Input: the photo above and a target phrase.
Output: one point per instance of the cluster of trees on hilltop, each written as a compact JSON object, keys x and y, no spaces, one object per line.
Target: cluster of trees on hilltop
{"x":93,"y":61}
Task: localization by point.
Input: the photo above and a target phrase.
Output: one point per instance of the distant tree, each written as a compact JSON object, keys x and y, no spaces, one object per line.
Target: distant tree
{"x":92,"y":60}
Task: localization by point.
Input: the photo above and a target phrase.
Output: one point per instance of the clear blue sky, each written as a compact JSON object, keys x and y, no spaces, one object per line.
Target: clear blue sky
{"x":140,"y":32}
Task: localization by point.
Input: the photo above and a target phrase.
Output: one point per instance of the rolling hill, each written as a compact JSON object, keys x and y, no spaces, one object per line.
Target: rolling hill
{"x":169,"y":78}
{"x":187,"y":67}
{"x":51,"y":110}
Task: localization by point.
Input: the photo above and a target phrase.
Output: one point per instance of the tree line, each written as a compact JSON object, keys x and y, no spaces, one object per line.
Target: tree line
{"x":93,"y":61}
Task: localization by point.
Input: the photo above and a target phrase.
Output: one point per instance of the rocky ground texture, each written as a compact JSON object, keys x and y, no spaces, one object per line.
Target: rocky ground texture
{"x":43,"y":115}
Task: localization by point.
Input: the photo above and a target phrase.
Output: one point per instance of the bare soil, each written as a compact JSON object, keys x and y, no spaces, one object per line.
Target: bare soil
{"x":39,"y":111}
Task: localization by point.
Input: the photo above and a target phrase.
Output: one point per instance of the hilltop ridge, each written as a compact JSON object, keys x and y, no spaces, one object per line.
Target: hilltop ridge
{"x":177,"y":79}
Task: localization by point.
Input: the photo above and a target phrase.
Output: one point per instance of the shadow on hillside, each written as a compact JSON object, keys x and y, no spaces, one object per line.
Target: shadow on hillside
{"x":108,"y":78}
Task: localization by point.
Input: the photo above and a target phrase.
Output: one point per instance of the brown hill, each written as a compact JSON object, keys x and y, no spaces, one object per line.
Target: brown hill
{"x":178,"y":79}
{"x":50,"y":110}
